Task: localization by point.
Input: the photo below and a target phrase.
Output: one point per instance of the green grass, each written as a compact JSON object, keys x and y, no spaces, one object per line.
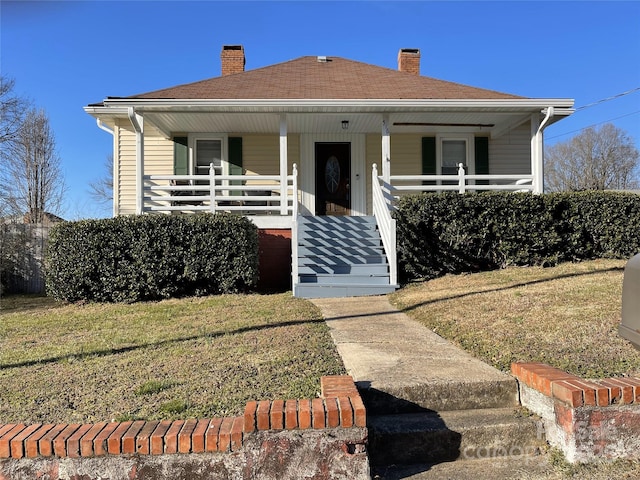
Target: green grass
{"x":566,"y":316}
{"x":194,"y":357}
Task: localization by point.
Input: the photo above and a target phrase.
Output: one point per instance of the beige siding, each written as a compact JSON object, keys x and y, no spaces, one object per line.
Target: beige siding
{"x":510,"y":154}
{"x":406,"y":154}
{"x":261,"y":153}
{"x":158,"y":160}
{"x":125,"y":159}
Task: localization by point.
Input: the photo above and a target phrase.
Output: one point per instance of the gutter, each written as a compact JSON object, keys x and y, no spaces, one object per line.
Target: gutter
{"x":508,"y":104}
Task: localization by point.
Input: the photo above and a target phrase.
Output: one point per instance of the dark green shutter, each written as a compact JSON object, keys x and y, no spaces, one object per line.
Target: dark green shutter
{"x":235,"y":160}
{"x":180,"y":156}
{"x":429,"y":158}
{"x":482,"y":158}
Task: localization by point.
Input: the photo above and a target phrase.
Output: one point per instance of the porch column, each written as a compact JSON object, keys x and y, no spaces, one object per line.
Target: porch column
{"x":283,"y":166}
{"x":537,"y":154}
{"x":386,"y":150}
{"x":138,"y":125}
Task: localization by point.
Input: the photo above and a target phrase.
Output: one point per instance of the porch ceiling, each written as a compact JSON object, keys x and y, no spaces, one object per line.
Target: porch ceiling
{"x":320,"y":123}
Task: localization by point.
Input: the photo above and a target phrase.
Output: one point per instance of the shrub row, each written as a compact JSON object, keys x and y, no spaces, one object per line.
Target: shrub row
{"x":149,"y":257}
{"x":453,"y":233}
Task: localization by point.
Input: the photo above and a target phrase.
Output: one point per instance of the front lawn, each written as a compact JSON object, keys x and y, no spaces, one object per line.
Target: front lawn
{"x":566,"y":316}
{"x":194,"y":357}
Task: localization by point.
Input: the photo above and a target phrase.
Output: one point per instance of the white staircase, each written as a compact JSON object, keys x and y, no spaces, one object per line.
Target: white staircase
{"x":340,"y":257}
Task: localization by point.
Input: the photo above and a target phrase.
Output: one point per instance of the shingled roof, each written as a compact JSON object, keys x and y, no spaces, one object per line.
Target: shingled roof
{"x":335,"y":78}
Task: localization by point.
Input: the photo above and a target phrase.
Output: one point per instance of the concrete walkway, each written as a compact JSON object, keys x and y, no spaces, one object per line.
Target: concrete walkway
{"x":385,"y":351}
{"x":402,"y":367}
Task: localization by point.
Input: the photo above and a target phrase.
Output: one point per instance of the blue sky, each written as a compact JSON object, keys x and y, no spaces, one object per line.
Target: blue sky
{"x":64,"y":55}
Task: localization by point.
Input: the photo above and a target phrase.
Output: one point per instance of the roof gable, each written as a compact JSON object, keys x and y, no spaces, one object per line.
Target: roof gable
{"x":335,"y":78}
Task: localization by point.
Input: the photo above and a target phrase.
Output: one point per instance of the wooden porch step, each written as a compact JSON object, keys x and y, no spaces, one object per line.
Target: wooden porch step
{"x":340,"y":257}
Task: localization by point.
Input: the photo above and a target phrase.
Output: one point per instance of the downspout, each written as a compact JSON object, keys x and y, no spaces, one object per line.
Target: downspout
{"x":102,"y":126}
{"x":539,"y":172}
{"x":138,"y":123}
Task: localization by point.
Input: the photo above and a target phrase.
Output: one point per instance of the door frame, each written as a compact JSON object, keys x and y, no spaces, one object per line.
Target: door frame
{"x":358,"y":180}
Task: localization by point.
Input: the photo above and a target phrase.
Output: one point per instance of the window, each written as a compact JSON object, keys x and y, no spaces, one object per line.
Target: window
{"x":206,"y":152}
{"x":453,"y":150}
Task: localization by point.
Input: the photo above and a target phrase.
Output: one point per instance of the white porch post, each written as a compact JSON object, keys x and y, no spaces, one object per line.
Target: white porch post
{"x":138,"y":125}
{"x":386,"y":150}
{"x":283,"y":165}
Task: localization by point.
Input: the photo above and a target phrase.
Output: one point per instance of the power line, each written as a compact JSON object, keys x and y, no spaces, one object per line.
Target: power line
{"x":595,"y":124}
{"x":628,"y":92}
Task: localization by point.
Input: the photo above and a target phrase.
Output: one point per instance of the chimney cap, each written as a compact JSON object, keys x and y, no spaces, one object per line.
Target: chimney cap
{"x":232,"y":47}
{"x":410,"y":51}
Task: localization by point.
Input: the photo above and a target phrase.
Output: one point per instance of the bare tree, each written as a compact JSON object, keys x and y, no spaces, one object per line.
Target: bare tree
{"x":596,"y":159}
{"x":12,"y":110}
{"x":101,"y":189}
{"x":31,"y":174}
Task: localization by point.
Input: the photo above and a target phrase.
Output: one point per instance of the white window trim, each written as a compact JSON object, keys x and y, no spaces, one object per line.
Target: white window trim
{"x":224,"y":140}
{"x":468,"y":138}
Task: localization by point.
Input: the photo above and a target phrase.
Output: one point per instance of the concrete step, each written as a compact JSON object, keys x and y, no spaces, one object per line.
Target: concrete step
{"x":410,"y":396}
{"x":503,"y":468}
{"x":316,"y":290}
{"x":434,"y":437}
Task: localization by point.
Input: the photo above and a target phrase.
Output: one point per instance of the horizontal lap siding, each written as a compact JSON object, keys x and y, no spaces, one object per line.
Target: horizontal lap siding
{"x":510,"y":154}
{"x":261,"y":153}
{"x":158,"y":160}
{"x":126,"y":168}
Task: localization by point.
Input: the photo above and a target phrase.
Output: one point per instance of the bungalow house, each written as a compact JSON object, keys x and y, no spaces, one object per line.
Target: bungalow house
{"x":315,"y":150}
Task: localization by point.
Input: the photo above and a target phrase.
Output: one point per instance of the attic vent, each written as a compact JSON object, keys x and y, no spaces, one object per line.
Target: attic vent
{"x":322,"y":59}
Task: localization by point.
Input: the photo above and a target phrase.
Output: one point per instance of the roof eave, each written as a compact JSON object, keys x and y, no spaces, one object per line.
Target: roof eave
{"x":288,"y":105}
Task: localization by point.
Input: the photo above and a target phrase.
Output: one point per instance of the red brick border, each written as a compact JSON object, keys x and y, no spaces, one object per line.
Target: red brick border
{"x":573,"y":390}
{"x":339,"y":406}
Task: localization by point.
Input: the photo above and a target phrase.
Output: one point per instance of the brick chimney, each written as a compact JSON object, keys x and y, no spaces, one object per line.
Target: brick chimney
{"x":232,"y":59}
{"x":409,"y":60}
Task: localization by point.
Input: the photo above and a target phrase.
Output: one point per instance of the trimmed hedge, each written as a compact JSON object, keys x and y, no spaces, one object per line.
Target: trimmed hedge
{"x":453,"y":233}
{"x":150,"y":257}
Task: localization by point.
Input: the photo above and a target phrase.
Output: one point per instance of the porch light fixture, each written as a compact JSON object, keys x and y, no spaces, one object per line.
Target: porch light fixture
{"x":345,"y":124}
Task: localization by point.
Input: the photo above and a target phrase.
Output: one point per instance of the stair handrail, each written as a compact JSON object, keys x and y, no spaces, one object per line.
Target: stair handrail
{"x":386,"y":224}
{"x":294,"y":231}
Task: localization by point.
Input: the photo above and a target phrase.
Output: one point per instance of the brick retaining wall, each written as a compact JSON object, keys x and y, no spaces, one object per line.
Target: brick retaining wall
{"x":586,"y":419}
{"x":237,"y":443}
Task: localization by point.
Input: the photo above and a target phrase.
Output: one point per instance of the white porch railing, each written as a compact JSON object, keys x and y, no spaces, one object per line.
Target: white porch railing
{"x":386,"y":224}
{"x":244,"y":194}
{"x":462,"y":182}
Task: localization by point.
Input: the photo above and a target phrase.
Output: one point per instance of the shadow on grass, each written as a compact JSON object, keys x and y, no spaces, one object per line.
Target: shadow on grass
{"x":162,"y":343}
{"x":509,"y":287}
